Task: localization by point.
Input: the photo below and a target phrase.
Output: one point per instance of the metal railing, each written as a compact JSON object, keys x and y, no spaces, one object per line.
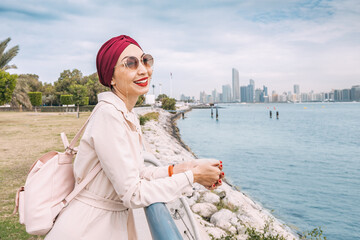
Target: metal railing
{"x":161,"y":222}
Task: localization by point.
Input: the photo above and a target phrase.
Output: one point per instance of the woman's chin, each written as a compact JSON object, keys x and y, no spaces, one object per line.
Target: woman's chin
{"x":143,"y":91}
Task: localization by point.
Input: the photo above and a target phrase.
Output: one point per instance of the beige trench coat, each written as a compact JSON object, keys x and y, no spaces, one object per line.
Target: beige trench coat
{"x":104,"y":209}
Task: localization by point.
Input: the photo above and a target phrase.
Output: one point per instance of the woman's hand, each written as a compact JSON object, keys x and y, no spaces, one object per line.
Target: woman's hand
{"x":207,"y":171}
{"x":207,"y":174}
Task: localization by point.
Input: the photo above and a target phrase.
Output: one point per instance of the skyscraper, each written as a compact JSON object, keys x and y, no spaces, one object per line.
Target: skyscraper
{"x":243,"y":90}
{"x":235,"y":85}
{"x":203,"y":97}
{"x":296,"y":89}
{"x":226,"y":93}
{"x":265,"y":90}
{"x":355,"y":93}
{"x":214,"y":96}
{"x":250,"y":91}
{"x":346,"y":95}
{"x":258,"y":93}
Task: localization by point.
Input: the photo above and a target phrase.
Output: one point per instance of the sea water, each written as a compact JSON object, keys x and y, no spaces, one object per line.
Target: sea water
{"x":304,"y":166}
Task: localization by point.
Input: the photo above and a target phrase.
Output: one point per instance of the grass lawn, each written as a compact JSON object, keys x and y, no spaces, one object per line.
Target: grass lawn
{"x":24,"y":137}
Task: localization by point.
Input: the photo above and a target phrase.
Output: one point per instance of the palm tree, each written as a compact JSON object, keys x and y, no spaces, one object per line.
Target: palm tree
{"x":20,"y":94}
{"x":6,"y":57}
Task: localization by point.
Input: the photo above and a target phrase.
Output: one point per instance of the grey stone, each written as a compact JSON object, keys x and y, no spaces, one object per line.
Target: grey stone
{"x":224,"y":219}
{"x":204,"y":209}
{"x":210,"y":197}
{"x":215,"y":232}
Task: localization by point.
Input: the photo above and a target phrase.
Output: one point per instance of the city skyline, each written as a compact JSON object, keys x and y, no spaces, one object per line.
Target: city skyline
{"x":250,"y":94}
{"x":277,"y":43}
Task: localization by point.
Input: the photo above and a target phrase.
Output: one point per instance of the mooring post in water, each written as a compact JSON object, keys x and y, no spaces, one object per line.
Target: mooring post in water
{"x":217,"y":113}
{"x":212,"y":113}
{"x":277,"y":114}
{"x":270,"y":114}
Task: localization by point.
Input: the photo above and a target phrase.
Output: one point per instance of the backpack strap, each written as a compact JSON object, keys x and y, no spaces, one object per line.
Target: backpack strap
{"x":78,"y":188}
{"x":70,"y":148}
{"x":91,"y":175}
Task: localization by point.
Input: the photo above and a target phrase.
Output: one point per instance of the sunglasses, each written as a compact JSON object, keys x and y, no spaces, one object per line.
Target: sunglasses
{"x":132,"y":62}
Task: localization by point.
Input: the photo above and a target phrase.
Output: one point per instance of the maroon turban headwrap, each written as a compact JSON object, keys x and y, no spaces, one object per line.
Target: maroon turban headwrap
{"x":108,"y":56}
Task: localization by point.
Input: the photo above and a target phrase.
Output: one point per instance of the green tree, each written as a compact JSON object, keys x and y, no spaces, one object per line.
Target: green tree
{"x":35,"y":98}
{"x":7,"y":86}
{"x":6,"y":57}
{"x":49,"y":96}
{"x":161,"y":96}
{"x":168,"y":103}
{"x":66,"y":100}
{"x":140,"y":100}
{"x":85,"y":101}
{"x":33,"y":82}
{"x":94,"y":87}
{"x":79,"y":92}
{"x":20,"y":95}
{"x":66,"y":79}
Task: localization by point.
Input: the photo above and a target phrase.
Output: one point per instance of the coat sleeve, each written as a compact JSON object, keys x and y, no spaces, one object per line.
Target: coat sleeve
{"x":152,"y":172}
{"x":115,"y":150}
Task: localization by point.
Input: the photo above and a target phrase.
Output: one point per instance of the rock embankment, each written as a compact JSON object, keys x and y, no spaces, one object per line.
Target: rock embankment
{"x":221,"y":212}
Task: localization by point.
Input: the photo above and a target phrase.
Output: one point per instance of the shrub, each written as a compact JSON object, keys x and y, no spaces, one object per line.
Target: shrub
{"x":168,"y":103}
{"x":148,"y":116}
{"x":143,"y":120}
{"x":140,"y":100}
{"x":315,"y":234}
{"x":35,"y":98}
{"x":152,"y":116}
{"x":7,"y":86}
{"x":84,"y":101}
{"x":253,"y":234}
{"x":66,"y":99}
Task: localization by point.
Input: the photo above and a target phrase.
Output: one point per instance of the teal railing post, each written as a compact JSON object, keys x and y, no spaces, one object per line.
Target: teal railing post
{"x":161,"y":224}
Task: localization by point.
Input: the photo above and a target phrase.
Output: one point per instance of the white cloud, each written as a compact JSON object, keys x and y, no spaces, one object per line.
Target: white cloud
{"x":276,"y":43}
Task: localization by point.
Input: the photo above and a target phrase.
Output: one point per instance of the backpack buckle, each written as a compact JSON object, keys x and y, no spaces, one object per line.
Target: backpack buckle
{"x":70,"y":150}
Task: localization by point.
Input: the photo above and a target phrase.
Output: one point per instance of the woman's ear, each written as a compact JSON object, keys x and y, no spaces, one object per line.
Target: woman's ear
{"x":112,"y":82}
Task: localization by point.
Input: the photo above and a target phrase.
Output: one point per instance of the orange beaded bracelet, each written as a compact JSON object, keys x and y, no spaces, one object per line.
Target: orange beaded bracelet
{"x":171,"y":170}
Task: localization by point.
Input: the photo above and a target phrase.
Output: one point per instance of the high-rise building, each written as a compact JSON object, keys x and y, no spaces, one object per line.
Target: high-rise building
{"x":249,"y":92}
{"x":214,"y":95}
{"x":346,"y":95}
{"x":265,"y":89}
{"x":203,"y":97}
{"x":274,"y":97}
{"x":243,"y":90}
{"x":226,"y":93}
{"x":235,"y":85}
{"x":355,"y":93}
{"x":221,"y":97}
{"x":258,"y":93}
{"x":296,"y":89}
{"x":337,"y":95}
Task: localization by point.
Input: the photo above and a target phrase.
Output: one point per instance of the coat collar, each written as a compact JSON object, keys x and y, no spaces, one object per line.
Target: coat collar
{"x":113,"y":99}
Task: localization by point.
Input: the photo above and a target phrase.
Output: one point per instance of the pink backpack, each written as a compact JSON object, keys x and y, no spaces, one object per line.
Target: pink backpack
{"x":49,"y":187}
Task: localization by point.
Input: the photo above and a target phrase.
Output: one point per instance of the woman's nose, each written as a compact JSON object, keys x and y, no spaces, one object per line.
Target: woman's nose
{"x":142,"y":69}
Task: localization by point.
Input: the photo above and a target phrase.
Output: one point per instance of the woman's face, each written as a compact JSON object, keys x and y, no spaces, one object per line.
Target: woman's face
{"x":129,"y":82}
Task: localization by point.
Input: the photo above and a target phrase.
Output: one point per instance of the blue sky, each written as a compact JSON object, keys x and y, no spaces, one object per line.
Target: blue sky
{"x":277,"y":43}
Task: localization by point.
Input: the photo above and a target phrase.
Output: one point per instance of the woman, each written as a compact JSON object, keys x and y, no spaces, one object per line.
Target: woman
{"x":103,"y":210}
